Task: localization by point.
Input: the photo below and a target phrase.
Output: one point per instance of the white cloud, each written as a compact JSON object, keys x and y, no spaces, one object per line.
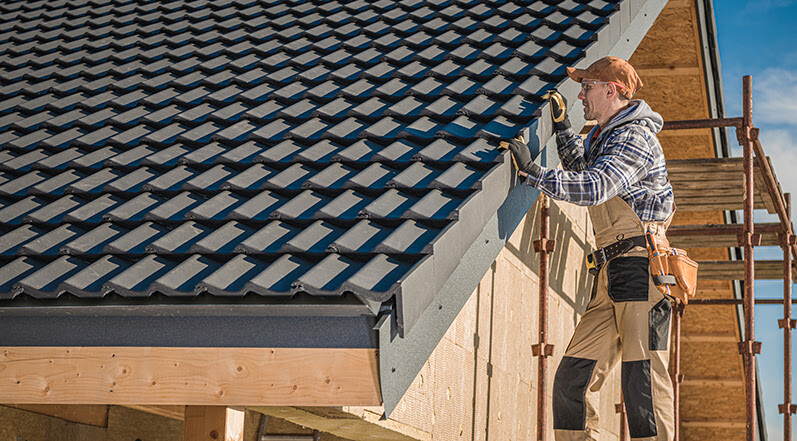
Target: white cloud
{"x":781,"y":146}
{"x":775,"y":97}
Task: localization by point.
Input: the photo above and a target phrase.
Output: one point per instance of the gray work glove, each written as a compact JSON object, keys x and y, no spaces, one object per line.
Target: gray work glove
{"x":520,"y":152}
{"x":558,"y":109}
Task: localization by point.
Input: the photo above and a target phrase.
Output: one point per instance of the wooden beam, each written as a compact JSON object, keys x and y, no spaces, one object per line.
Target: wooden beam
{"x":190,"y":376}
{"x":709,"y":338}
{"x":92,"y":415}
{"x":213,"y":423}
{"x":173,"y":412}
{"x":348,"y":422}
{"x":720,"y":424}
{"x":713,"y":382}
{"x":734,"y":270}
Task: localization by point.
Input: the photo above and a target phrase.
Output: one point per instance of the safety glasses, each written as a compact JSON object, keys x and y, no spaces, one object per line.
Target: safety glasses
{"x":587,"y":85}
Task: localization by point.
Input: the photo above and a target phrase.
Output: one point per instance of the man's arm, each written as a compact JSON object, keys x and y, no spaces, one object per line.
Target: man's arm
{"x":569,"y":146}
{"x":626,"y":160}
{"x":571,"y":150}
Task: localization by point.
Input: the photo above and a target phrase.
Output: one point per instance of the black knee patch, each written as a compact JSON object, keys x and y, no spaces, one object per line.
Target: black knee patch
{"x":569,"y":390}
{"x":628,"y":279}
{"x":659,"y":323}
{"x":638,"y":396}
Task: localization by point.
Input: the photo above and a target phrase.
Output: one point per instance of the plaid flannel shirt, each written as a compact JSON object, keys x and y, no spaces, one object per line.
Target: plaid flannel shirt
{"x":625,"y":161}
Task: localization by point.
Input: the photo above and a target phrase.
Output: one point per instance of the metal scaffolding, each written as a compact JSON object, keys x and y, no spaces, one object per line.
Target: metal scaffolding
{"x":759,"y":178}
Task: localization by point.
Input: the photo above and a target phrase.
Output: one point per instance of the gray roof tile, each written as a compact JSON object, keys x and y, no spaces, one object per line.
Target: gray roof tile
{"x":277,"y":129}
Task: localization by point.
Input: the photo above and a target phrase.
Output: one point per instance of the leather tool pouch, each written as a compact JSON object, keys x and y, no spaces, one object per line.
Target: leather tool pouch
{"x":673,"y":272}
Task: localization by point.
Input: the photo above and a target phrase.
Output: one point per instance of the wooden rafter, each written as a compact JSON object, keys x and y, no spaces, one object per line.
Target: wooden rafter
{"x":189,"y":376}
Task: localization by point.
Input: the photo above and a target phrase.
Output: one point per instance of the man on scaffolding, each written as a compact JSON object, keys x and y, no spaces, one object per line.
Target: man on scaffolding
{"x":618,"y":171}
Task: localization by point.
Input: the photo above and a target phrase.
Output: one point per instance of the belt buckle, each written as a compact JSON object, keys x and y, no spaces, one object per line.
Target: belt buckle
{"x":595,"y":261}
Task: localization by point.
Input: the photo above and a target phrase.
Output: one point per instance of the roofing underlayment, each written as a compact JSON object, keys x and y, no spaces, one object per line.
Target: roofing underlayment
{"x":319,"y":156}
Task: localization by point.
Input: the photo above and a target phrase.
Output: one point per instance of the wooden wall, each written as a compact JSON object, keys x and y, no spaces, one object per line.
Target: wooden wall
{"x":485,"y":388}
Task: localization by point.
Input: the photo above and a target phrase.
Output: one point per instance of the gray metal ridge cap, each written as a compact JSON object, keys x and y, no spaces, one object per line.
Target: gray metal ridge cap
{"x":403,"y":355}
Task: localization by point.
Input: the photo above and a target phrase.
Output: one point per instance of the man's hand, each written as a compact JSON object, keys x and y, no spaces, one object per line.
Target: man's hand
{"x":520,"y":151}
{"x":558,"y":109}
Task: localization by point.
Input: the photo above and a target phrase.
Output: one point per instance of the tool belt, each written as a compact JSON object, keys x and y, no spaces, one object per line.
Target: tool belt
{"x":673,"y":272}
{"x":601,"y":257}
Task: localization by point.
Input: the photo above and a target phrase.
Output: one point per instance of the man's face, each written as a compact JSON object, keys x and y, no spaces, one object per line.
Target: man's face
{"x":594,"y":98}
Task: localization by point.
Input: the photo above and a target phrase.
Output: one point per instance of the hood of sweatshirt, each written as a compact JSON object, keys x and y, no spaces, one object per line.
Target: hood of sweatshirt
{"x":640,"y":113}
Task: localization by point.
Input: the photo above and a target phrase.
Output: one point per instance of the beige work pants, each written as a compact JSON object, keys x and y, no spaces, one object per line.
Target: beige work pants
{"x":626,"y":319}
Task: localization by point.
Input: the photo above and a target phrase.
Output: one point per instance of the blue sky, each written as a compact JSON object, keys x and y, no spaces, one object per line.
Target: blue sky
{"x":757,"y":38}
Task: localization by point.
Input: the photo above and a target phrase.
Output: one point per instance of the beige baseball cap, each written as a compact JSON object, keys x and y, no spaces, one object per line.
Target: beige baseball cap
{"x":610,"y":69}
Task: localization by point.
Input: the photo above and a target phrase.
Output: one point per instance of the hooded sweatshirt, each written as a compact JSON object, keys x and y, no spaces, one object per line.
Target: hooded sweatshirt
{"x":625,"y":159}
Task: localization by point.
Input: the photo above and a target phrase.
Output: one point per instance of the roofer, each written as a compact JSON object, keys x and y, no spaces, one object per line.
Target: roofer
{"x":618,"y":171}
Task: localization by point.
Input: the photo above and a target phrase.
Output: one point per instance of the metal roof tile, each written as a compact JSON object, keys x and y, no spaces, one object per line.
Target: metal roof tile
{"x":363,"y":237}
{"x":135,"y":281}
{"x":346,"y":206}
{"x":170,"y":181}
{"x":281,"y":153}
{"x":422,"y":129}
{"x":259,"y":207}
{"x":21,"y":185}
{"x":135,"y":209}
{"x":269,"y":239}
{"x":91,"y":242}
{"x":136,"y":241}
{"x":334,"y":110}
{"x":347,"y":130}
{"x":173,"y":209}
{"x":180,"y":239}
{"x":222,"y":240}
{"x":462,"y":128}
{"x":217,"y":208}
{"x":183,"y":280}
{"x":459,"y":177}
{"x":378,"y":278}
{"x":95,"y":159}
{"x":374,"y":176}
{"x":12,"y":241}
{"x":43,"y":284}
{"x":301,"y":207}
{"x":332,"y":177}
{"x":96,"y":182}
{"x":232,"y":278}
{"x":89,"y":282}
{"x":210,"y":180}
{"x":326,"y":277}
{"x":418,"y":175}
{"x":50,"y":243}
{"x":244,"y":154}
{"x":434,"y":205}
{"x":273,"y":131}
{"x":441,"y":150}
{"x":300,"y":112}
{"x":316,"y":238}
{"x":94,"y":211}
{"x":56,"y":185}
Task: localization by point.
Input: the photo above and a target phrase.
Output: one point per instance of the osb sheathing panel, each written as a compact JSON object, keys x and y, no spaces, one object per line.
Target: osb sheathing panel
{"x":670,"y":41}
{"x":713,"y":402}
{"x":706,"y":319}
{"x":710,"y":360}
{"x":675,"y":97}
{"x":712,"y":433}
{"x":486,"y":388}
{"x":687,"y":147}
